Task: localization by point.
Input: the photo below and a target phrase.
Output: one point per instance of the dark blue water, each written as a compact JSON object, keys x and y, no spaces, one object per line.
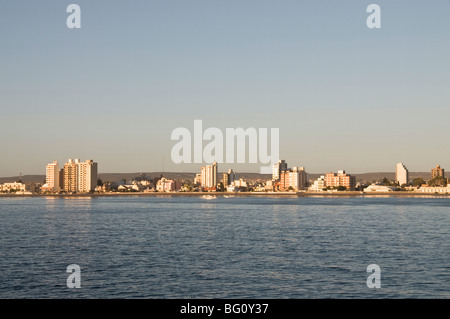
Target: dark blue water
{"x":142,"y":247}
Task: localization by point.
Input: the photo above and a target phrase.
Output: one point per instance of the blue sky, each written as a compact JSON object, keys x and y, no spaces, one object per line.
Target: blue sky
{"x":344,"y":96}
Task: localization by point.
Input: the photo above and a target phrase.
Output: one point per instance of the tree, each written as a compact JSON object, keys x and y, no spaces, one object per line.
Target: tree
{"x":341,"y":188}
{"x":438,"y":181}
{"x":418,"y":181}
{"x":99,"y":182}
{"x":386,"y":182}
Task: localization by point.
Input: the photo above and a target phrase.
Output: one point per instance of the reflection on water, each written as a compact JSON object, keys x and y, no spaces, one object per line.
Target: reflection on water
{"x":241,"y":247}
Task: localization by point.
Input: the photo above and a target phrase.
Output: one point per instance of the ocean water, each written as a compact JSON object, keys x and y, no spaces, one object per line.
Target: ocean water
{"x":240,"y":247}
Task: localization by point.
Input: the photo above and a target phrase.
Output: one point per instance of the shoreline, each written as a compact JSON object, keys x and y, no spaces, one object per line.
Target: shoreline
{"x":237,"y":194}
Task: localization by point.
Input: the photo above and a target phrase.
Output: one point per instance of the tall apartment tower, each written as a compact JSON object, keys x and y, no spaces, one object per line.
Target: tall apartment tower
{"x":70,"y":176}
{"x":79,"y":176}
{"x":203,"y":176}
{"x":87,"y":176}
{"x":209,"y":175}
{"x":225,"y":179}
{"x":61,"y":178}
{"x":52,"y":176}
{"x":401,"y":174}
{"x":229,"y":177}
{"x":438,"y":171}
{"x":301,"y":177}
{"x":277,"y":169}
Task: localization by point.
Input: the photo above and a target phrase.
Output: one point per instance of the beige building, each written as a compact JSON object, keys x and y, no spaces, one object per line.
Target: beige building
{"x":438,"y":171}
{"x":297,"y":179}
{"x":340,"y":179}
{"x":80,"y":177}
{"x":70,"y":176}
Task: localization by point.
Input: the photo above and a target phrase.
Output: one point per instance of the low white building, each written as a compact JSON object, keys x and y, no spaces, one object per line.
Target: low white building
{"x":239,"y":183}
{"x":434,"y":189}
{"x":128,"y":187}
{"x":17,"y":188}
{"x":379,"y":188}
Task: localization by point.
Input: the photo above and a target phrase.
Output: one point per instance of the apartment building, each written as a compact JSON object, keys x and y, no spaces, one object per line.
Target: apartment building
{"x":340,"y":179}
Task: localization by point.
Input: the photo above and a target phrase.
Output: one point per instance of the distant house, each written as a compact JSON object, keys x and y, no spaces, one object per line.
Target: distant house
{"x":17,"y":188}
{"x":168,"y":185}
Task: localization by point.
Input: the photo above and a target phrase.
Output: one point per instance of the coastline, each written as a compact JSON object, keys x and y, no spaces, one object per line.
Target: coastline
{"x":237,"y":194}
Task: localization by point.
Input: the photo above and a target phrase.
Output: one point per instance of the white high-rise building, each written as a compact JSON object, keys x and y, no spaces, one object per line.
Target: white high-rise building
{"x":87,"y":176}
{"x":52,"y":176}
{"x":277,"y":169}
{"x":401,"y":174}
{"x":299,"y":178}
{"x":209,"y":175}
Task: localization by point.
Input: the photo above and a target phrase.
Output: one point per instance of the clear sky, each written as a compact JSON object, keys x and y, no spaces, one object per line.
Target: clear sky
{"x":343,"y":96}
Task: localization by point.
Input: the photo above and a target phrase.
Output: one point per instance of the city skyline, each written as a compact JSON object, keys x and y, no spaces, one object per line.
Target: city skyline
{"x":78,"y":177}
{"x":231,"y":167}
{"x":342,"y":95}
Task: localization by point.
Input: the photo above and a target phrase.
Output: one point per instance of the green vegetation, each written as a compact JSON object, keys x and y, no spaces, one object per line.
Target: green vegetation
{"x":438,"y":181}
{"x":387,"y":182}
{"x":418,"y":181}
